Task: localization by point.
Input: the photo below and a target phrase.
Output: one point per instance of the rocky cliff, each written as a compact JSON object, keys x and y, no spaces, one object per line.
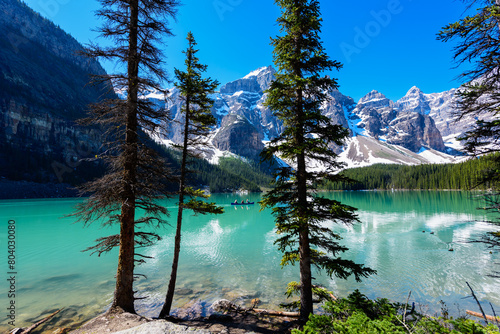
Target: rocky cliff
{"x":43,"y":90}
{"x":237,"y":135}
{"x":411,"y":128}
{"x":244,"y":122}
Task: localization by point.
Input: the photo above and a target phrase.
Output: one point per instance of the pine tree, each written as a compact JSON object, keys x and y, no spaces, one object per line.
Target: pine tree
{"x":479,"y":97}
{"x":198,"y":120}
{"x":296,"y":96}
{"x":137,"y":176}
{"x":479,"y":38}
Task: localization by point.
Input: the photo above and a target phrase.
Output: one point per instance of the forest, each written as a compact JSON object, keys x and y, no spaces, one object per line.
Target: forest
{"x":468,"y":175}
{"x":135,"y":173}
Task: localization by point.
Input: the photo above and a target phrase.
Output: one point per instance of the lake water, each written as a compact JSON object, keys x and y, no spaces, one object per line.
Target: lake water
{"x":232,"y":256}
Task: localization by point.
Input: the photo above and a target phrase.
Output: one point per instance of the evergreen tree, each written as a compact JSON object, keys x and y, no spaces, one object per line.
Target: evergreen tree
{"x":137,"y":176}
{"x":296,"y":97}
{"x":479,"y":40}
{"x":198,"y":120}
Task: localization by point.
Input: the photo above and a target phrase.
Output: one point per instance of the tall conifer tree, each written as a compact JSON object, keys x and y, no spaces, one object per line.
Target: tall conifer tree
{"x":296,"y":97}
{"x":198,"y":120}
{"x":137,"y":176}
{"x":479,"y":44}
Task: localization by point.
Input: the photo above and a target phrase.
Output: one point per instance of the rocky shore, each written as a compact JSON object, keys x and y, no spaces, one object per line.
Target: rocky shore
{"x":222,"y":320}
{"x":230,"y":323}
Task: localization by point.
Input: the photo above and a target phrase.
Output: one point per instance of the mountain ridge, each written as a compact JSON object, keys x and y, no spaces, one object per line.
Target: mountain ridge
{"x":43,"y":91}
{"x":402,"y":131}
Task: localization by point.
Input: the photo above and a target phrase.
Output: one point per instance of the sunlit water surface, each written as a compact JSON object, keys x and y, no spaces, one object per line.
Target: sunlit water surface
{"x":232,"y":256}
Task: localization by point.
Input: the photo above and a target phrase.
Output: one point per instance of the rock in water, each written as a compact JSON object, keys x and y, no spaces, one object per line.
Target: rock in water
{"x":223,"y":305}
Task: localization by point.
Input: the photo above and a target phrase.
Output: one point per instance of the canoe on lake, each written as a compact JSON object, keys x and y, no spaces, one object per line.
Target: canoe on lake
{"x":247,"y":203}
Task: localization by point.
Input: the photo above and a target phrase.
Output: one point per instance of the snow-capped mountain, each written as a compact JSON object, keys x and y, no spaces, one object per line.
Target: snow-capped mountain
{"x":407,"y":131}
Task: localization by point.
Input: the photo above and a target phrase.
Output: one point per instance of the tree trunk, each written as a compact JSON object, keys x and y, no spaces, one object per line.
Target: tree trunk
{"x":306,"y":298}
{"x":124,"y":292}
{"x":165,"y":311}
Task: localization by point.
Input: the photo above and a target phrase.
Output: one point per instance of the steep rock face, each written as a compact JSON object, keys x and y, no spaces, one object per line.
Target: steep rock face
{"x":238,"y":109}
{"x":409,"y":128}
{"x":414,"y":131}
{"x":245,"y":97}
{"x":43,"y":90}
{"x":415,"y":122}
{"x":26,"y":27}
{"x":237,"y":135}
{"x":337,"y":107}
{"x":43,"y":148}
{"x":174,"y":127}
{"x":443,"y":111}
{"x":407,"y":123}
{"x":375,"y":100}
{"x":257,"y":82}
{"x":414,"y":101}
{"x":440,"y":106}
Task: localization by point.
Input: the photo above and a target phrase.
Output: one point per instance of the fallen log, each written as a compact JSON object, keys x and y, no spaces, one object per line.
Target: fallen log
{"x":275,"y":313}
{"x":479,"y":315}
{"x":28,"y":330}
{"x":478,"y":304}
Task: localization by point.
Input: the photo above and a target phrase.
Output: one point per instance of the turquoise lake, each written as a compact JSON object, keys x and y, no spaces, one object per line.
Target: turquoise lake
{"x":232,"y":256}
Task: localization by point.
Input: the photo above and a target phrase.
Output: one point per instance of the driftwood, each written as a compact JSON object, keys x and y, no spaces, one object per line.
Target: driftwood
{"x":478,"y":303}
{"x":27,"y":330}
{"x":275,"y":313}
{"x":281,"y":313}
{"x":479,"y":315}
{"x":224,"y":305}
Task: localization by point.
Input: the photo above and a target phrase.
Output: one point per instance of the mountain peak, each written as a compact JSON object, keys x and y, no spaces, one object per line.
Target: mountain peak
{"x":255,"y":82}
{"x":372,"y":96}
{"x":260,"y":71}
{"x":414,"y":91}
{"x":414,"y":101}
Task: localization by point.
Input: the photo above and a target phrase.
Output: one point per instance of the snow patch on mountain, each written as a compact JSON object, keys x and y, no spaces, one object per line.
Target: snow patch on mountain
{"x":363,"y":151}
{"x":260,"y":71}
{"x":381,"y":130}
{"x":217,"y":154}
{"x":414,"y":101}
{"x":353,"y":122}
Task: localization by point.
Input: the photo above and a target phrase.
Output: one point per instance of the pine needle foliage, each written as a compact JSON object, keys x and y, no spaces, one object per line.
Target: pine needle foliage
{"x":478,"y":39}
{"x":296,"y":97}
{"x":479,"y":97}
{"x":198,"y":121}
{"x":358,"y":314}
{"x":137,"y":177}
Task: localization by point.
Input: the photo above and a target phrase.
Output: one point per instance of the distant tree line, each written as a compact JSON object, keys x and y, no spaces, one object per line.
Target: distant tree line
{"x":471,"y":174}
{"x":231,"y":174}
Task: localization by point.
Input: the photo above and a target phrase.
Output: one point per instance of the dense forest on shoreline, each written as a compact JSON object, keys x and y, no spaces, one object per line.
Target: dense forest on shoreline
{"x":462,"y":176}
{"x":230,"y":175}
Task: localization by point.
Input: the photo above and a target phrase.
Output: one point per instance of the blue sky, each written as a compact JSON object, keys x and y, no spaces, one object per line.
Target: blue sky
{"x":387,"y":45}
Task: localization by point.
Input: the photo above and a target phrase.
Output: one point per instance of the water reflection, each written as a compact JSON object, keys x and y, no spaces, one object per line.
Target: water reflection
{"x":405,"y":236}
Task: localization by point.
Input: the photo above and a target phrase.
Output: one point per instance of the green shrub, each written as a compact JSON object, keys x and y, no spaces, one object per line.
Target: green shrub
{"x":357,"y":314}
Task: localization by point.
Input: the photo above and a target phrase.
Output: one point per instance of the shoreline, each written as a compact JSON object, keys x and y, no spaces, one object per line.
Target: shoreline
{"x":230,"y":323}
{"x":19,"y":190}
{"x":63,"y":321}
{"x":234,"y":320}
